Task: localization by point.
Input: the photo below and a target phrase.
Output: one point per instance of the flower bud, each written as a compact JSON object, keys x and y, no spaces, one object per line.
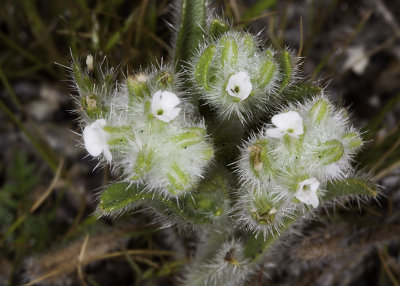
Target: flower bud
{"x":137,"y":86}
{"x":218,"y":28}
{"x":259,"y":159}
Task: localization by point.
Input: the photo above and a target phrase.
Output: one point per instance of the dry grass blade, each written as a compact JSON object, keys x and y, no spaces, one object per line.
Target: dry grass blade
{"x":387,"y":170}
{"x":101,"y":257}
{"x":330,"y":243}
{"x":67,"y":260}
{"x":385,"y":156}
{"x":47,"y":193}
{"x":301,"y":38}
{"x":387,"y":269}
{"x":235,"y":10}
{"x":142,"y":12}
{"x":80,"y":260}
{"x":264,"y":15}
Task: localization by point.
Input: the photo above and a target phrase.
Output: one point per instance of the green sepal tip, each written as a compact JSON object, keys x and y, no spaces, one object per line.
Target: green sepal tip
{"x":202,"y":69}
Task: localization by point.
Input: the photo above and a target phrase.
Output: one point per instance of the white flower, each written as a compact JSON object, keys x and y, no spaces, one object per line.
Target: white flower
{"x":287,"y":123}
{"x":96,"y":138}
{"x":164,"y":105}
{"x":239,"y":85}
{"x":307,"y":192}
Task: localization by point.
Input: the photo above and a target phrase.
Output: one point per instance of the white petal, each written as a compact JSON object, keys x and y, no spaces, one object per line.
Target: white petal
{"x":275,"y":132}
{"x":173,"y":113}
{"x":107,"y":154}
{"x":290,"y":122}
{"x":156,"y":103}
{"x":307,"y":192}
{"x":95,"y":137}
{"x":169,"y":116}
{"x":239,"y":85}
{"x":163,"y":105}
{"x":169,"y":100}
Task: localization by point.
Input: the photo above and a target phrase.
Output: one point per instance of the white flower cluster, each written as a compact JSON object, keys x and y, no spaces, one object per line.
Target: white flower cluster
{"x":285,"y":167}
{"x":236,"y":78}
{"x":147,"y":133}
{"x":149,"y":128}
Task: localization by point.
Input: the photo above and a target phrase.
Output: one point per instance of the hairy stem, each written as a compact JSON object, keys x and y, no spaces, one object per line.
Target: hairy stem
{"x":191,"y":24}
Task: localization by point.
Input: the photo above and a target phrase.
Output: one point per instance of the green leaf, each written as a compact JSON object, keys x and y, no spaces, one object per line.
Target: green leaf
{"x":121,"y":197}
{"x":113,"y":41}
{"x":350,"y":187}
{"x":211,"y":197}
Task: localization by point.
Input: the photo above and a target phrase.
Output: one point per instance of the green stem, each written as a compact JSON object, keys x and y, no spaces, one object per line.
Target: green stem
{"x":256,"y":246}
{"x":191,"y":25}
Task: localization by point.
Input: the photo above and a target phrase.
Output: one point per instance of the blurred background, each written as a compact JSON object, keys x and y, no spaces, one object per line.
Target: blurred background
{"x":48,"y":187}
